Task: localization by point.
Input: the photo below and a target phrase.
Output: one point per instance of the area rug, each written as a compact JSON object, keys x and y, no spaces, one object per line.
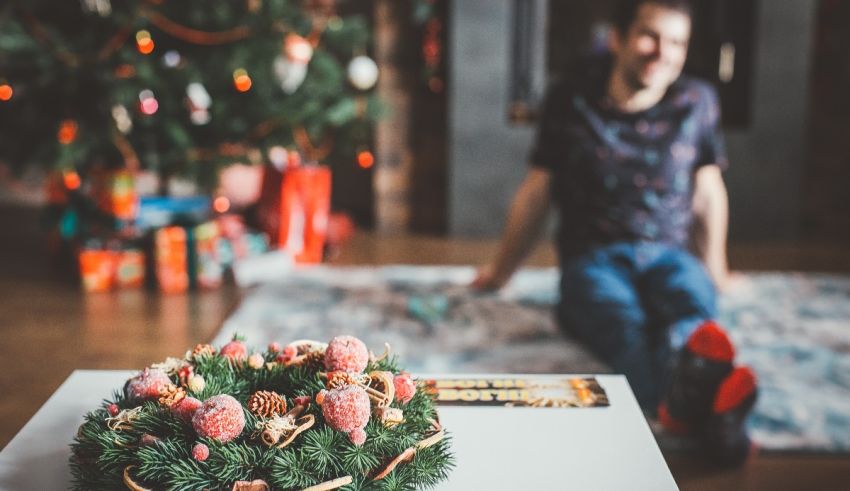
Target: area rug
{"x":794,"y":329}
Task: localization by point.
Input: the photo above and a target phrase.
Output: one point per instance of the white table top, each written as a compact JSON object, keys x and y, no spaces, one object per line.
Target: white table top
{"x":608,"y":448}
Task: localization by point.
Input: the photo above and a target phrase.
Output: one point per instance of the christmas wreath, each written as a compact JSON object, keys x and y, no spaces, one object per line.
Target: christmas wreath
{"x":308,"y":415}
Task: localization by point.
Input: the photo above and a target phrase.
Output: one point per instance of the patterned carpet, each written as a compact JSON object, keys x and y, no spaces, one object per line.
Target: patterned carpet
{"x":793,"y":329}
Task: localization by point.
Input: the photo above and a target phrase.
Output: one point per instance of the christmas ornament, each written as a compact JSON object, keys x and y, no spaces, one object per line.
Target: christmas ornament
{"x":346,"y":353}
{"x":144,"y":42}
{"x":347,"y":410}
{"x":256,"y":361}
{"x":235,"y":350}
{"x":171,"y":59}
{"x":220,"y":418}
{"x":265,"y":404}
{"x":147,"y":385}
{"x":221,"y":205}
{"x":241,"y":80}
{"x":362,"y":72}
{"x":147,"y":102}
{"x":199,"y":102}
{"x":200,"y":452}
{"x":365,"y":159}
{"x":290,"y":67}
{"x":405,"y":388}
{"x":67,"y":132}
{"x":278,"y":156}
{"x":122,"y":119}
{"x":6,"y":92}
{"x":102,"y":7}
{"x":196,"y":383}
{"x":185,"y":408}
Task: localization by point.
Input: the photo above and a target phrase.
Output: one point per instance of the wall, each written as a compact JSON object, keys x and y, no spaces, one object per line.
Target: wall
{"x":767,"y":159}
{"x":487,"y":156}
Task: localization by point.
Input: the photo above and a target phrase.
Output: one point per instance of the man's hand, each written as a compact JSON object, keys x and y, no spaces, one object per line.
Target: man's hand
{"x":730,"y":281}
{"x":525,"y":221}
{"x":487,"y":280}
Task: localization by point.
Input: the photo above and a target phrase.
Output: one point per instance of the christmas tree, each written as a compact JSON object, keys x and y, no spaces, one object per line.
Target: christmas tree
{"x":182,"y":87}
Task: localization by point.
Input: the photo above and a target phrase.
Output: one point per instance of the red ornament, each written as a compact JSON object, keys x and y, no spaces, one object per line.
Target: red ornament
{"x":405,"y":388}
{"x":346,"y":353}
{"x":6,"y":92}
{"x":113,"y":409}
{"x":220,"y":418}
{"x":365,"y":159}
{"x":235,"y":350}
{"x":186,"y":408}
{"x":347,"y":410}
{"x":147,"y":384}
{"x":67,"y":132}
{"x":200,"y":452}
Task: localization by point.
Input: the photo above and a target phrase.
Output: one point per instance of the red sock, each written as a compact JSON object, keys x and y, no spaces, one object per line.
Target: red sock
{"x":710,"y":341}
{"x":734,"y":389}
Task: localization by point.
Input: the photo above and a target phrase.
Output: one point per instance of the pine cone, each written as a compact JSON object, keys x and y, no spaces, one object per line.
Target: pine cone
{"x":266,"y":404}
{"x":203,"y":350}
{"x":314,"y":359}
{"x":171,"y":395}
{"x":339,"y":379}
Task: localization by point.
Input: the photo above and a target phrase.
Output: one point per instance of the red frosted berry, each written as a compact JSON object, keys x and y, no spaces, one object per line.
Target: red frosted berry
{"x":235,"y":350}
{"x":186,"y":407}
{"x":147,"y":384}
{"x":113,"y":409}
{"x":289,"y":352}
{"x":274,"y":347}
{"x":358,"y":436}
{"x":405,"y":388}
{"x":220,"y":418}
{"x":346,"y":353}
{"x":200,"y":452}
{"x":302,"y":400}
{"x":346,"y":409}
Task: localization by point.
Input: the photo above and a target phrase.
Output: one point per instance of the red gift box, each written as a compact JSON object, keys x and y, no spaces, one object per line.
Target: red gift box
{"x":171,"y":259}
{"x":294,"y":208}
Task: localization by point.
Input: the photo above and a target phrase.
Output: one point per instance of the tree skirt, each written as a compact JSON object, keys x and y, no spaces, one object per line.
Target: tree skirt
{"x":794,"y":329}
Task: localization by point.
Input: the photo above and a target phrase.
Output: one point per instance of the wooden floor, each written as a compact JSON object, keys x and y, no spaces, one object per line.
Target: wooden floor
{"x":49,"y":328}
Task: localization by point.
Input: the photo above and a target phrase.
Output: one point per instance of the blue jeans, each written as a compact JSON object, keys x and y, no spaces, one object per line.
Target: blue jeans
{"x":635,"y":305}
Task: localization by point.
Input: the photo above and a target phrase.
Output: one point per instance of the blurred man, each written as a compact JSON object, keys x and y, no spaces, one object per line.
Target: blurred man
{"x":631,"y":153}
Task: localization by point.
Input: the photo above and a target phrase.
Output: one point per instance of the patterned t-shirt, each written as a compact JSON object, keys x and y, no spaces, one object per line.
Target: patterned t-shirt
{"x":625,"y":176}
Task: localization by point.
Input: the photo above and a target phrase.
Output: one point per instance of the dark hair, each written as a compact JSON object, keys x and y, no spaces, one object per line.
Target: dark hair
{"x":626,"y":11}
